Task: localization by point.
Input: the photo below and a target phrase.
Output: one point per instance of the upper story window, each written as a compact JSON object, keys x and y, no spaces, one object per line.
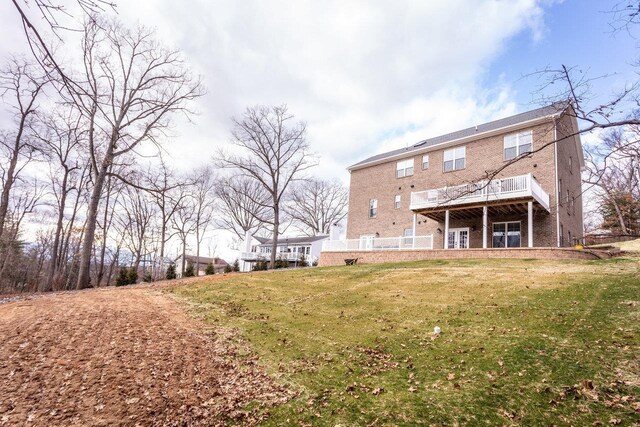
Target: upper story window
{"x":517,"y":144}
{"x":560,"y":191}
{"x":396,"y":202}
{"x":373,"y":208}
{"x":425,"y":161}
{"x":454,"y":159}
{"x":404,"y":168}
{"x":570,"y":164}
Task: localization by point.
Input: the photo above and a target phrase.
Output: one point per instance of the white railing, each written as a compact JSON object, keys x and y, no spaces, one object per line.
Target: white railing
{"x":379,"y":244}
{"x":496,"y":189}
{"x":289,"y":256}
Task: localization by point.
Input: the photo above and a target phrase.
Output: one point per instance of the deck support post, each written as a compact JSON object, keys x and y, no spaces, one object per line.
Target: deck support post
{"x":446,"y":229}
{"x":485,"y":225}
{"x":530,"y":224}
{"x":413,"y":236}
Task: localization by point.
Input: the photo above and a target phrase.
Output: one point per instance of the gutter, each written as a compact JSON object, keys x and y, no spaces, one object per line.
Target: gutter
{"x":456,"y":141}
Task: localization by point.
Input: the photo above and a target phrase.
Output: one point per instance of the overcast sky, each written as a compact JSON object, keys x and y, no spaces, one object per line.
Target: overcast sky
{"x":368,"y":76}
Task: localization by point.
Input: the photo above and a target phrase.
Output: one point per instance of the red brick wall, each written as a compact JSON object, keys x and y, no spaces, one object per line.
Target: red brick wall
{"x":376,"y":257}
{"x":570,"y":174}
{"x":379,"y":182}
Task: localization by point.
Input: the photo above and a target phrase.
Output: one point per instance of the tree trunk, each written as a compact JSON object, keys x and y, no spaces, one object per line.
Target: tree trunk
{"x":184,"y":254}
{"x":84,"y":277}
{"x":274,"y":239}
{"x":48,"y":285}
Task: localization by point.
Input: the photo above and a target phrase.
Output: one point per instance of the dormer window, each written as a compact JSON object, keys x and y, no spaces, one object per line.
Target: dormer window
{"x":517,"y":144}
{"x":404,"y":168}
{"x":454,"y":159}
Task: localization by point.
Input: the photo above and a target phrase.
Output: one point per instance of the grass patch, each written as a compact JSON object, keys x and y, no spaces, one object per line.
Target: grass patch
{"x":523,"y":342}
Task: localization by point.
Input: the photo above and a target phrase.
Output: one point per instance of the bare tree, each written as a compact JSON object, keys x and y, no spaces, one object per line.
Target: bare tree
{"x":275,"y":152}
{"x":167,"y":194}
{"x":613,"y":169}
{"x":28,"y":195}
{"x":242,"y":205}
{"x":184,"y":223}
{"x":21,"y":86}
{"x":130,"y":88}
{"x":135,"y":220}
{"x":317,"y":204}
{"x":203,"y":191}
{"x":60,"y":136}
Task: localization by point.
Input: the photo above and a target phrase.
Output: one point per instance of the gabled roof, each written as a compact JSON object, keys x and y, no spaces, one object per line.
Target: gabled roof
{"x":548,"y":111}
{"x":296,"y":240}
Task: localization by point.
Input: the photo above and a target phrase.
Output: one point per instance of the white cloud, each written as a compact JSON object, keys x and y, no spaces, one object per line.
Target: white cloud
{"x":365,"y":76}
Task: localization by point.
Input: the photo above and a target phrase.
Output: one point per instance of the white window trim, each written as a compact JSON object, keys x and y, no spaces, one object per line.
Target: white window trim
{"x":397,"y":201}
{"x":455,"y":158}
{"x":506,"y":230}
{"x":404,"y":168}
{"x":373,"y":205}
{"x":517,"y":146}
{"x":426,"y":156}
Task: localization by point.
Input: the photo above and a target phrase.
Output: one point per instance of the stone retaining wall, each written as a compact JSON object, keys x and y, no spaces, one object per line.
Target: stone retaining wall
{"x":376,"y":257}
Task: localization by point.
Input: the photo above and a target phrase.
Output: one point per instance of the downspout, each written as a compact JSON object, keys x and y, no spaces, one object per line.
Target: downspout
{"x":555,"y":162}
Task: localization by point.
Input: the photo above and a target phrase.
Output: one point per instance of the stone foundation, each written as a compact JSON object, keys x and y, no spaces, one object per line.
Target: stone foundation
{"x":377,"y":257}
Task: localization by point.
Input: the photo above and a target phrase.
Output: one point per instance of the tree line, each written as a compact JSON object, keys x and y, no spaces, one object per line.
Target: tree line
{"x":85,"y":187}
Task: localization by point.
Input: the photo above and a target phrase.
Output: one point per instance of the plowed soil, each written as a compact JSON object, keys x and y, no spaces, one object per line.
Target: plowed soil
{"x":124,"y":356}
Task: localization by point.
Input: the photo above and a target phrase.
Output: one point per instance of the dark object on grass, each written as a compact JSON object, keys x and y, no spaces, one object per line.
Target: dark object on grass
{"x":351,"y":261}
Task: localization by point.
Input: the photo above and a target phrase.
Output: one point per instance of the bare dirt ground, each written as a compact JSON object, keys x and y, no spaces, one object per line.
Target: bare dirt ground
{"x":123,"y":356}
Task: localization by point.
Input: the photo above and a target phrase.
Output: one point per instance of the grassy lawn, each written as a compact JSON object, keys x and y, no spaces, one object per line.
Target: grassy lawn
{"x":523,"y":342}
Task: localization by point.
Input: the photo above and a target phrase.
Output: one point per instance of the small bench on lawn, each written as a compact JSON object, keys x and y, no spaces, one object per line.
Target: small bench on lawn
{"x":351,"y":261}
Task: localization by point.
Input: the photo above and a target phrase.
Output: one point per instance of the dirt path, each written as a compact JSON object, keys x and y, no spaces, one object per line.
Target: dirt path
{"x":126,"y":356}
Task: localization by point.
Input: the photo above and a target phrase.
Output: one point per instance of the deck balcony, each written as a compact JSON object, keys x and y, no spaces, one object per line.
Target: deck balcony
{"x":483,"y":192}
{"x":257,"y":256}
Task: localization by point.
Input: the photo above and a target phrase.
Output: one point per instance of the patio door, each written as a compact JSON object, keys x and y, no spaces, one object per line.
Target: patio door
{"x":458,"y":238}
{"x":366,"y":242}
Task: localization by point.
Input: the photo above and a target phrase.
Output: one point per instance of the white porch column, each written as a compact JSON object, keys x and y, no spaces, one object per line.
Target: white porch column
{"x":446,"y":229}
{"x":415,"y":221}
{"x":485,"y":226}
{"x":530,"y":223}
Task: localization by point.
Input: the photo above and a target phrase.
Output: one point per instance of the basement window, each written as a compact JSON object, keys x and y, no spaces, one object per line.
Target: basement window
{"x":506,"y":234}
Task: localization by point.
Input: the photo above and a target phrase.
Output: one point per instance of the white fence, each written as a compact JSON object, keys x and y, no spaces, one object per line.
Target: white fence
{"x":379,"y":244}
{"x":504,"y":188}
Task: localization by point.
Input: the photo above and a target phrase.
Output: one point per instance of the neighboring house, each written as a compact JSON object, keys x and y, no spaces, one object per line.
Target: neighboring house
{"x":436,"y":188}
{"x":291,"y":249}
{"x":200,"y":264}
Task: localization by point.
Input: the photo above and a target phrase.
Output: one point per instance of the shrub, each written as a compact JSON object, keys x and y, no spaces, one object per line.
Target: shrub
{"x":133,"y":276}
{"x":147,"y":278}
{"x":209,"y":270}
{"x":236,"y":266}
{"x":189,"y":272}
{"x":281,"y":263}
{"x":228,"y":268}
{"x":260,"y":265}
{"x":315,"y":263}
{"x":302,"y":262}
{"x":171,"y":272}
{"x":127,"y":276}
{"x":123,"y":277}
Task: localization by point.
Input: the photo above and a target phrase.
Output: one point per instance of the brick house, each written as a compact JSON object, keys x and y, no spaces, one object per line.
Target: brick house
{"x":439,"y":187}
